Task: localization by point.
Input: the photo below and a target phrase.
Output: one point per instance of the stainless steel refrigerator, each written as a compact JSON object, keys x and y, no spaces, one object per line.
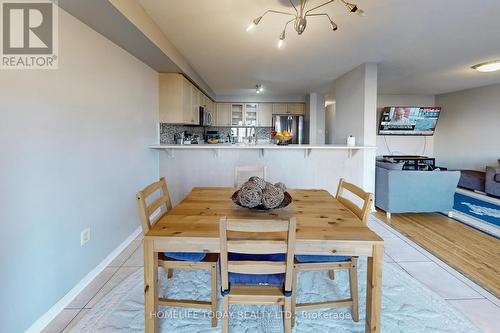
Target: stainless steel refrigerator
{"x":293,"y":123}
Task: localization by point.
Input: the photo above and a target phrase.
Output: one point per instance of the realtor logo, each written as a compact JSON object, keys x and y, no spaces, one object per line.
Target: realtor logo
{"x":29,"y":35}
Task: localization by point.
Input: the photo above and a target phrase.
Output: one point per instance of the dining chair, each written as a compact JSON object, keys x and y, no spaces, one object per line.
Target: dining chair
{"x":243,"y":173}
{"x":257,"y":268}
{"x":331,"y":263}
{"x":153,"y":211}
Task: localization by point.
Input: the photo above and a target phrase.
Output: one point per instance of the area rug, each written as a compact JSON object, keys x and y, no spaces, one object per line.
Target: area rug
{"x":407,"y":306}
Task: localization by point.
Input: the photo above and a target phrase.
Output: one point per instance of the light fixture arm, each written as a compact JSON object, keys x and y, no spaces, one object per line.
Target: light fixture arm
{"x":326,"y":3}
{"x":322,"y":14}
{"x":291,"y":2}
{"x":334,"y":25}
{"x":288,"y":22}
{"x":276,"y":12}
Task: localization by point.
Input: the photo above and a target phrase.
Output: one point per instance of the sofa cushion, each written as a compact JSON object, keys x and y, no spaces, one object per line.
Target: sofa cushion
{"x":390,"y":166}
{"x":472,"y":180}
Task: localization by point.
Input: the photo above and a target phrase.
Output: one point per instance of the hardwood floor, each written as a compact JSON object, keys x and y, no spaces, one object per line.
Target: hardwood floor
{"x":471,"y":252}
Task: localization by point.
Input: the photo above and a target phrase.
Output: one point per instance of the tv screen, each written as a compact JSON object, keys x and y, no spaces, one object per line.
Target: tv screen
{"x":399,"y":120}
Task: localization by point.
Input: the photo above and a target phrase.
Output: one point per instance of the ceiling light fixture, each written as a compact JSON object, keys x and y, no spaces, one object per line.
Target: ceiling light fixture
{"x":301,"y":14}
{"x":259,"y":88}
{"x":487,"y":67}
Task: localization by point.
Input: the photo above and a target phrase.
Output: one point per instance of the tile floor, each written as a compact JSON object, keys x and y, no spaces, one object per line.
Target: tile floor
{"x":474,"y":302}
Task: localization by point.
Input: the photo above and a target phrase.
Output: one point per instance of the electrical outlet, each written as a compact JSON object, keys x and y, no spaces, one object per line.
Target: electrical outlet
{"x":84,"y":236}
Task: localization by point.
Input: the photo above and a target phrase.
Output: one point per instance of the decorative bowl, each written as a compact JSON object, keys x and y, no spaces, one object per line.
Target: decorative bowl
{"x":283,"y":140}
{"x":286,"y":201}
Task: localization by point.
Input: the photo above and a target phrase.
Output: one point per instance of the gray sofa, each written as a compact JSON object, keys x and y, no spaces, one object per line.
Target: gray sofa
{"x":400,"y":191}
{"x":492,"y":181}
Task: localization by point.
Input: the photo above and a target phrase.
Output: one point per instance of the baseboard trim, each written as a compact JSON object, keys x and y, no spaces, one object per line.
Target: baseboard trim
{"x":45,"y":319}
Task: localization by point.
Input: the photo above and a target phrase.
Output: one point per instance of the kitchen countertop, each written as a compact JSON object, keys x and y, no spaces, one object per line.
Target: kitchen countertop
{"x":257,"y":146}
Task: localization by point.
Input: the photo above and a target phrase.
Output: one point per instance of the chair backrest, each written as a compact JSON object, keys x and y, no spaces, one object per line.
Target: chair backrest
{"x":159,"y":206}
{"x":367,"y":198}
{"x":256,"y":245}
{"x":242,"y":173}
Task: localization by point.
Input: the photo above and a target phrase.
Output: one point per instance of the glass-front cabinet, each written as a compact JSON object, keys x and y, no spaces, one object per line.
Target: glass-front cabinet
{"x":251,"y":114}
{"x":244,"y":114}
{"x":237,"y":115}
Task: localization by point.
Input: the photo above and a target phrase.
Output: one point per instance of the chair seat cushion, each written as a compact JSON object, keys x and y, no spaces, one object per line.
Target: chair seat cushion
{"x":257,"y":279}
{"x":311,"y":259}
{"x":276,"y":280}
{"x":186,"y":256}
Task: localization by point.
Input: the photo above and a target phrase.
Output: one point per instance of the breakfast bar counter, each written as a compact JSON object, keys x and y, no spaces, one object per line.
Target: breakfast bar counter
{"x":258,"y":146}
{"x":302,"y":166}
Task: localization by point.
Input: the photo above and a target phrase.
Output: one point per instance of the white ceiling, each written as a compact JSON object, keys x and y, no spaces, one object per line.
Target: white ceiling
{"x":422,"y":46}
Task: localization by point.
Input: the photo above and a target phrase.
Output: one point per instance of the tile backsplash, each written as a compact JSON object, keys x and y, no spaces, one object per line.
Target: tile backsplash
{"x":167,"y":132}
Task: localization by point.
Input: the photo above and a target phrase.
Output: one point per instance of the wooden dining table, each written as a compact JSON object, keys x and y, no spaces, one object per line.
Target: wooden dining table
{"x":324,"y":227}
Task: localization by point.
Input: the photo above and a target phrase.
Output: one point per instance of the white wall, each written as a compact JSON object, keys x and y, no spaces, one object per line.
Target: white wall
{"x":315,"y":115}
{"x":468,"y":135}
{"x":329,"y":121}
{"x":73,"y":153}
{"x":355,"y":96}
{"x":405,"y":145}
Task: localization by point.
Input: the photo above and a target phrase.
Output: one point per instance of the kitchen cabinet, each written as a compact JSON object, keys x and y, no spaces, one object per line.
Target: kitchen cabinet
{"x":279,"y":108}
{"x":179,"y":100}
{"x":212,"y":106}
{"x":237,"y":114}
{"x":203,"y":100}
{"x":251,"y":114}
{"x":244,"y":114}
{"x":223,"y":114}
{"x":295,"y":108}
{"x":289,"y":108}
{"x":195,"y":105}
{"x":265,"y":114}
{"x":207,"y":103}
{"x":180,"y":103}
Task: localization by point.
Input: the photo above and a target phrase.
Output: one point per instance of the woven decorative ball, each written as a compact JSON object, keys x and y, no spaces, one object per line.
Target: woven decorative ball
{"x":250,"y":195}
{"x":272,"y":196}
{"x":281,"y":186}
{"x":249,"y":184}
{"x":261,"y":183}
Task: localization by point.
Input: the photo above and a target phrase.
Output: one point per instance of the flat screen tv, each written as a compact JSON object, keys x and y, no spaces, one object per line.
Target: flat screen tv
{"x":398,"y":120}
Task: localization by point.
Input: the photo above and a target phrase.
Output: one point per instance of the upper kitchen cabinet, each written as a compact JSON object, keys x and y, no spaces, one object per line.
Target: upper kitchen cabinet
{"x":179,"y":100}
{"x":237,"y":114}
{"x":223,"y":117}
{"x":175,"y":99}
{"x":265,"y":114}
{"x":212,"y":106}
{"x":279,"y":108}
{"x":296,"y":108}
{"x":251,"y":114}
{"x":195,"y":105}
{"x":290,"y":108}
{"x":207,"y":103}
